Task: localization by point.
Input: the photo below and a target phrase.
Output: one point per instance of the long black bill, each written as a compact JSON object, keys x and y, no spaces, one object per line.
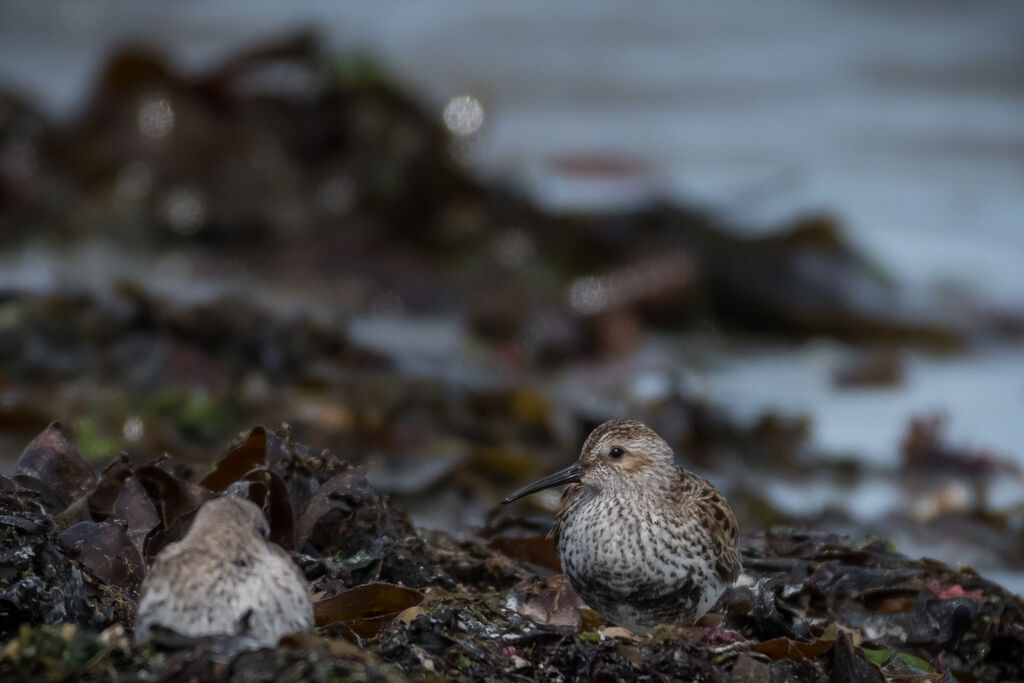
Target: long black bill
{"x":569,"y":475}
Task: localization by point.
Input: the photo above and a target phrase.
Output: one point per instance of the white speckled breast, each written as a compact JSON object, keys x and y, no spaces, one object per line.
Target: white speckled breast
{"x":631,"y":563}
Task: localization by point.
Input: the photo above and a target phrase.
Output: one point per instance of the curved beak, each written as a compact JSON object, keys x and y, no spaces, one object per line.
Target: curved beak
{"x":569,"y":475}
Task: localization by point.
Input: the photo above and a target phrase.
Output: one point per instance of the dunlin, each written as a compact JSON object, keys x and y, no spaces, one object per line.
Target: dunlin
{"x":225,"y":578}
{"x":642,"y":541}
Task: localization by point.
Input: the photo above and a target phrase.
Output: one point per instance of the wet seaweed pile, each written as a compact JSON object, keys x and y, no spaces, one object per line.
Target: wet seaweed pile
{"x":395,"y":603}
{"x":261,"y":243}
{"x":284,"y":158}
{"x":194,"y":253}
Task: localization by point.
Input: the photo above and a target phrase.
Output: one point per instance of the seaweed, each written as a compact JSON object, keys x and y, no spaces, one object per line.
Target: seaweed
{"x":395,"y":603}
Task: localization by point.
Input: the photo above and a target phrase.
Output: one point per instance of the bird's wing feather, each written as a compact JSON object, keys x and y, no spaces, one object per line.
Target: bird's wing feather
{"x":570,"y":499}
{"x":717,"y":516}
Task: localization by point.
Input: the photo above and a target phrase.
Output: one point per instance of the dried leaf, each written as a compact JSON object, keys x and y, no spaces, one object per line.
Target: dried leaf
{"x":161,"y":536}
{"x":106,"y":551}
{"x":266,"y":489}
{"x":175,"y":501}
{"x":591,"y":620}
{"x":73,"y":514}
{"x":51,"y":467}
{"x":343,"y":492}
{"x":135,"y":509}
{"x":367,"y":608}
{"x":172,"y":497}
{"x":556,"y":604}
{"x":621,"y":633}
{"x":109,"y":487}
{"x":410,"y":614}
{"x":248,"y":452}
{"x":277,"y":507}
{"x":255,"y":491}
{"x":895,"y":604}
{"x":538,"y":550}
{"x":784,"y":648}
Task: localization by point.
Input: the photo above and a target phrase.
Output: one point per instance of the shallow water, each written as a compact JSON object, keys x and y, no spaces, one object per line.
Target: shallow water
{"x":982,"y":392}
{"x":906,"y":120}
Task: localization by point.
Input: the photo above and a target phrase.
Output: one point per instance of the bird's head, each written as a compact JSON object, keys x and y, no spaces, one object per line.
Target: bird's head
{"x":234,"y":516}
{"x":617,"y":453}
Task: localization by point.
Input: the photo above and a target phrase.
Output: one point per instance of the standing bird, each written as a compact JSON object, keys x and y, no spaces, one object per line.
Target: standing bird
{"x":225,"y":578}
{"x":642,"y":541}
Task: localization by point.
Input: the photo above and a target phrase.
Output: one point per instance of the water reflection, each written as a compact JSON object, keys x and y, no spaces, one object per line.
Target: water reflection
{"x":463,"y":115}
{"x":184,"y":211}
{"x":134,"y":429}
{"x":156,"y":118}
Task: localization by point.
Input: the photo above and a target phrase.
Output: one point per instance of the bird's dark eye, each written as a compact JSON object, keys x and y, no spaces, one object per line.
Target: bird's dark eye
{"x":616,"y":453}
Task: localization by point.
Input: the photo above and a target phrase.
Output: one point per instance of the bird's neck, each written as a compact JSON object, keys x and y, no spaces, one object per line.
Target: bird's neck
{"x":650,"y":486}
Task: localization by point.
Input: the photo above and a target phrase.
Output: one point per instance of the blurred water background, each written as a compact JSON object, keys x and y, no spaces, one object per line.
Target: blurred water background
{"x":903,"y":120}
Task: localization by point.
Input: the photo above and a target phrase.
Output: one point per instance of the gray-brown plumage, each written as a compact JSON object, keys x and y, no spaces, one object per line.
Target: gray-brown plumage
{"x":225,"y":578}
{"x":641,"y":540}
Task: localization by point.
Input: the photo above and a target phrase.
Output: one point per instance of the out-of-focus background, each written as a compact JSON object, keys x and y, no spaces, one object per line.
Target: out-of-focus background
{"x":446,"y":239}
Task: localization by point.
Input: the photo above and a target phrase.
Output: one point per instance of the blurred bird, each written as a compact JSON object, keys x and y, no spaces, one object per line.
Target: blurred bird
{"x":641,"y":540}
{"x":225,"y":578}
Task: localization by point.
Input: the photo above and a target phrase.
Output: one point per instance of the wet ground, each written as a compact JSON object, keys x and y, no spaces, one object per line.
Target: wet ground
{"x":394,"y":603}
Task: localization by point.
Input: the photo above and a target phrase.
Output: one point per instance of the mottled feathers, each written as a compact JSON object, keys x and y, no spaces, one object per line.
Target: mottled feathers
{"x":225,"y":578}
{"x":642,"y":540}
